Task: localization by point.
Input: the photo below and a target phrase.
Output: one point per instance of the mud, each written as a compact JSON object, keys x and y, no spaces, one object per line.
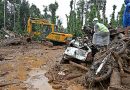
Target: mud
{"x":24,"y":66}
{"x":37,"y":67}
{"x":37,"y":80}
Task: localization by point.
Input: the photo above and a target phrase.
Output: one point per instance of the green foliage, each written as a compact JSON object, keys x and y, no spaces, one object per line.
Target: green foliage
{"x":17,"y":14}
{"x":17,"y":1}
{"x":19,"y":8}
{"x":106,"y":21}
{"x":113,"y":20}
{"x":9,"y":15}
{"x":93,"y":10}
{"x":22,"y":11}
{"x":72,"y":22}
{"x":71,"y":4}
{"x":18,"y":26}
{"x":81,"y":4}
{"x":103,"y":14}
{"x":79,"y":23}
{"x":59,"y":24}
{"x":93,"y":1}
{"x":46,"y":15}
{"x":98,"y":15}
{"x":86,"y":18}
{"x":75,"y":19}
{"x":92,"y":14}
{"x":86,"y":12}
{"x":35,"y":12}
{"x":52,"y":9}
{"x":120,"y":14}
{"x":24,"y":14}
{"x":1,"y":13}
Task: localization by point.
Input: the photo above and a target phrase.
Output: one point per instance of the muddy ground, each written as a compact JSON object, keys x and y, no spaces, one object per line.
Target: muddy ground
{"x":36,"y":67}
{"x":24,"y":67}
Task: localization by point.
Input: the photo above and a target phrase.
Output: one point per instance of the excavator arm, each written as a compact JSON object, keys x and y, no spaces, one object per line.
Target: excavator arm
{"x":52,"y":35}
{"x":38,"y":21}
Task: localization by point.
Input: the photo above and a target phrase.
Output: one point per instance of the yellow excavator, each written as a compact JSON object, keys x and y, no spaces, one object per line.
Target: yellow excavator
{"x":49,"y":31}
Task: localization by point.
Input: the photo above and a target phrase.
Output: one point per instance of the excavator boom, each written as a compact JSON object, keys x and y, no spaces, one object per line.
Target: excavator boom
{"x":52,"y":36}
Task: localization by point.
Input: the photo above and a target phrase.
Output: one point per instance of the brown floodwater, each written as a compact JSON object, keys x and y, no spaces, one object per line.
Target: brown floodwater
{"x":37,"y":80}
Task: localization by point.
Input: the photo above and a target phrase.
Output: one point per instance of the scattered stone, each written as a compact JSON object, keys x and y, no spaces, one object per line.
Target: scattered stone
{"x":56,"y":86}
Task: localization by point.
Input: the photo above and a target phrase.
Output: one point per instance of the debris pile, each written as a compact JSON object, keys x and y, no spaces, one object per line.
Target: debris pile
{"x":83,"y":65}
{"x":112,"y":65}
{"x":109,"y":70}
{"x":11,"y":38}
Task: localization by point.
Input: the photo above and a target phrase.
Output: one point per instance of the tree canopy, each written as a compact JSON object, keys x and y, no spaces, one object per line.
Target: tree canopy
{"x":81,"y":13}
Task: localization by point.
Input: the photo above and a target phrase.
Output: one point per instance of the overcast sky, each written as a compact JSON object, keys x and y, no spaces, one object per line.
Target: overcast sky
{"x":64,"y":7}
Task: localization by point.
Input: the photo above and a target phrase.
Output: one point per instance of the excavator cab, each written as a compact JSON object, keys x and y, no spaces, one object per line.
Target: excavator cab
{"x":47,"y":31}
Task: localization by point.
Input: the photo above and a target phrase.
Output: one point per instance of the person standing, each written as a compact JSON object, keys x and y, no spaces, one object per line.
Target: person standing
{"x":101,"y":36}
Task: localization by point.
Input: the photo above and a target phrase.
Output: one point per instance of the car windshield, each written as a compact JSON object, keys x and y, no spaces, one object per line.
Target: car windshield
{"x":76,"y":43}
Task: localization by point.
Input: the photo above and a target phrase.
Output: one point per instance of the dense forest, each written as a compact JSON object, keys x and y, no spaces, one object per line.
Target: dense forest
{"x":15,"y":13}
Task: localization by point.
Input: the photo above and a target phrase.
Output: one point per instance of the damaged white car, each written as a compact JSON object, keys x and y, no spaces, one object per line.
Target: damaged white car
{"x":77,"y":50}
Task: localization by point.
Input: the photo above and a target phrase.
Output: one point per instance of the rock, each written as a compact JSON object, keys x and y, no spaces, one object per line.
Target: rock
{"x":56,"y":86}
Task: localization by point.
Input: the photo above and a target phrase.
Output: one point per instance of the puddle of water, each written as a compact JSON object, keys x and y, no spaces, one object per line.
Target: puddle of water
{"x":75,"y":87}
{"x":37,"y":80}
